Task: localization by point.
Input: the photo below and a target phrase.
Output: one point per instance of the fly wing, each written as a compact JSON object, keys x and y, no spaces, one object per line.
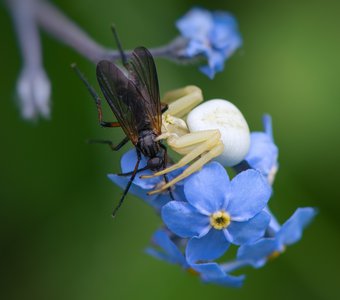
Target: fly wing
{"x":119,"y":93}
{"x":143,"y":73}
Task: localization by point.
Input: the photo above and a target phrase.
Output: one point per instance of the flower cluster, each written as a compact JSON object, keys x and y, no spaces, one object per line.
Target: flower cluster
{"x":213,"y":35}
{"x":211,"y":212}
{"x":207,"y":212}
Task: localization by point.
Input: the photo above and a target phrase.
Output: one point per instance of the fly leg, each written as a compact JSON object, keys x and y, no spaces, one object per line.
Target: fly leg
{"x":96,"y":99}
{"x":130,"y":173}
{"x":165,"y":162}
{"x":164,"y":107}
{"x":139,"y":157}
{"x":110,"y":144}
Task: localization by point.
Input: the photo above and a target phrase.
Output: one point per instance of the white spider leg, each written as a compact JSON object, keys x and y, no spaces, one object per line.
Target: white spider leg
{"x":172,"y":126}
{"x":197,"y":165}
{"x":183,"y":100}
{"x":203,"y":142}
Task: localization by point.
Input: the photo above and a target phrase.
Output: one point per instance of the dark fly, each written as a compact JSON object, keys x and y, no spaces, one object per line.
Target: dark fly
{"x":133,"y":96}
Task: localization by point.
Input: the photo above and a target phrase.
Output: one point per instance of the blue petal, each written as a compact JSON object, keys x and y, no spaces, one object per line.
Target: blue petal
{"x":291,"y":230}
{"x":206,"y":70}
{"x":195,"y":47}
{"x":274,"y":226}
{"x":263,"y":153}
{"x":215,"y":63}
{"x":249,"y":231}
{"x":250,"y":193}
{"x":227,"y":280}
{"x":213,"y":273}
{"x":195,"y":24}
{"x":159,"y":201}
{"x":184,"y":220}
{"x":170,"y":252}
{"x":225,"y":33}
{"x":136,"y":190}
{"x":140,"y":187}
{"x":156,"y":201}
{"x":256,"y":254}
{"x":214,"y":35}
{"x":128,"y":163}
{"x":206,"y":190}
{"x":267,"y":124}
{"x":129,"y":159}
{"x":159,"y":255}
{"x":211,"y":246}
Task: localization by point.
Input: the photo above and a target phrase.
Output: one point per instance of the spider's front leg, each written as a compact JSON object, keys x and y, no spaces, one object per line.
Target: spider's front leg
{"x":207,"y":150}
{"x":192,"y":145}
{"x":182,"y":101}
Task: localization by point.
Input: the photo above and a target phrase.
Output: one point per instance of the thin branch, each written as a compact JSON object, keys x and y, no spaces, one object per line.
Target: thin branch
{"x":53,"y":21}
{"x":22,"y":12}
{"x":63,"y":29}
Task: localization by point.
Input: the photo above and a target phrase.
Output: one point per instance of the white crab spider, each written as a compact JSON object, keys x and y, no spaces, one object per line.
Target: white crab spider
{"x":215,"y":129}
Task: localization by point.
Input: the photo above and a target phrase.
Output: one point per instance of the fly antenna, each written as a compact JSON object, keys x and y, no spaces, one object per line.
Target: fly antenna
{"x":119,"y":45}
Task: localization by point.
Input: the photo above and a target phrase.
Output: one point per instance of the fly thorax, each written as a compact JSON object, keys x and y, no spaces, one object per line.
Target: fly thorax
{"x":147,"y":144}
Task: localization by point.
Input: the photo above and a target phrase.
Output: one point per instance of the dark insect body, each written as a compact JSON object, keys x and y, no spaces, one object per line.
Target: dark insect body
{"x":135,"y":101}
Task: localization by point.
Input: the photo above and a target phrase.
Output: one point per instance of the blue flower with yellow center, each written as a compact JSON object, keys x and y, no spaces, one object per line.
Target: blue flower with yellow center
{"x":258,"y":253}
{"x":140,"y":187}
{"x":213,"y":35}
{"x":219,"y":211}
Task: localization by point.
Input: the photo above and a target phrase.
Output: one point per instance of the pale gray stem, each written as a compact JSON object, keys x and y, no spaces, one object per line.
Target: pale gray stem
{"x":63,"y":29}
{"x":22,"y":12}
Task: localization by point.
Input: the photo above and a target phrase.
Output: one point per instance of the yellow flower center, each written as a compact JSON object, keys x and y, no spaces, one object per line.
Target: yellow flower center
{"x":220,"y":220}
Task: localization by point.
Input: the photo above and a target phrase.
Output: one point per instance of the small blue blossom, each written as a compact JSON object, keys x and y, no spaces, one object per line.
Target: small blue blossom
{"x":140,"y":187}
{"x":263,"y":152}
{"x":214,"y":35}
{"x":168,"y":251}
{"x":209,"y":272}
{"x":289,"y":233}
{"x":219,"y":211}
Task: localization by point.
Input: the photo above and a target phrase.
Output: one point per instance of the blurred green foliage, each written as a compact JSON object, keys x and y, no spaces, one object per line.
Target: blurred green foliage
{"x":58,"y":240}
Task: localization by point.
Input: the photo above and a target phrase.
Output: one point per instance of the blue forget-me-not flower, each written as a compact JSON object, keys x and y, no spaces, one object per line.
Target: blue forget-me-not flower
{"x":257,"y":254}
{"x":213,"y":35}
{"x":219,"y":211}
{"x":210,"y":272}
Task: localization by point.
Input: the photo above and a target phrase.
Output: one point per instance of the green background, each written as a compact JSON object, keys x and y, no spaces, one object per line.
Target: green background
{"x":58,"y":240}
